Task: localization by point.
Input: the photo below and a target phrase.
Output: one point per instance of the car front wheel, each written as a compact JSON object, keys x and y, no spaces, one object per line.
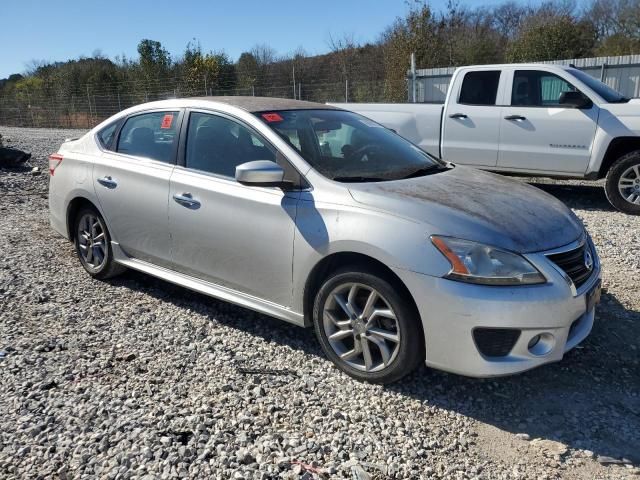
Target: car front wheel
{"x":623,"y":184}
{"x":93,"y":245}
{"x":367,"y":326}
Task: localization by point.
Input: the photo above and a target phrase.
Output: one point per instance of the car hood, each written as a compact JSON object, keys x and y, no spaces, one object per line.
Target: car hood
{"x":628,"y":109}
{"x":479,"y":206}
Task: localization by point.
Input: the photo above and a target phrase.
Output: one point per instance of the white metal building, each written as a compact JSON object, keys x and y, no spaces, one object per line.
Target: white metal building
{"x":621,"y":73}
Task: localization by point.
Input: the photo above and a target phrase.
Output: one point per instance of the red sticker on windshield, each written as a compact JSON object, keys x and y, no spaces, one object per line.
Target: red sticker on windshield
{"x":167,"y":120}
{"x":272,"y":117}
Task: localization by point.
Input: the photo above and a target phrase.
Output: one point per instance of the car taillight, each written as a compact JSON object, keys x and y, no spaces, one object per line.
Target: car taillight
{"x":55,"y":159}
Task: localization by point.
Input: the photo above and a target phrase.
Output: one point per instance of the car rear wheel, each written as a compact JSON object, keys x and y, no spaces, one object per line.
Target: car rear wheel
{"x":623,"y":184}
{"x":93,"y":245}
{"x":367,"y":327}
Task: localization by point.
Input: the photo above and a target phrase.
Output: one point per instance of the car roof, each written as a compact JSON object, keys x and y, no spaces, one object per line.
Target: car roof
{"x":263,"y":104}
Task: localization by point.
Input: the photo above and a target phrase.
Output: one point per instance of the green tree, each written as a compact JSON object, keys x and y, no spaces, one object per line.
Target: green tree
{"x":206,"y":72}
{"x":557,"y":38}
{"x":247,"y":70}
{"x":155,"y":61}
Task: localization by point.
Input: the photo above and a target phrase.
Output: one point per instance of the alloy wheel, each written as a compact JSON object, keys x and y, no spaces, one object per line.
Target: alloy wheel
{"x":92,"y":242}
{"x":361,"y":327}
{"x":629,"y":185}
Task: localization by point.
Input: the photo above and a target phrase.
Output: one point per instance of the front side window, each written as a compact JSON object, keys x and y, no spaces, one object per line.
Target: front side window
{"x":538,"y":89}
{"x":150,"y":135}
{"x":605,"y":91}
{"x":218,"y":145}
{"x":347,"y":147}
{"x":480,"y":88}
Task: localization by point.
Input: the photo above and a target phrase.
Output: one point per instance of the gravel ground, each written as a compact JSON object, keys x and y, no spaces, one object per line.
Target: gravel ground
{"x":137,"y":378}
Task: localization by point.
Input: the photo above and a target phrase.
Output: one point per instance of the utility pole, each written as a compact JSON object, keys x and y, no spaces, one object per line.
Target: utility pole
{"x":346,"y":90}
{"x":293,"y":66}
{"x":413,"y":78}
{"x":89,"y":103}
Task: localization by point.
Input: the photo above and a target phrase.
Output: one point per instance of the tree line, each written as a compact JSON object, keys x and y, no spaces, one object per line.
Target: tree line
{"x":90,"y":89}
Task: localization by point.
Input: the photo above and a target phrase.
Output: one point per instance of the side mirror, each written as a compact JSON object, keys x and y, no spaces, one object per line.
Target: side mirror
{"x":261,"y":173}
{"x":574,"y":100}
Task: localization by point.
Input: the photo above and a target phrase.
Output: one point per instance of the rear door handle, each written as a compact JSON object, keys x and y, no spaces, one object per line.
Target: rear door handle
{"x":517,"y":118}
{"x":186,"y":200}
{"x":108,"y":182}
{"x":458,"y":115}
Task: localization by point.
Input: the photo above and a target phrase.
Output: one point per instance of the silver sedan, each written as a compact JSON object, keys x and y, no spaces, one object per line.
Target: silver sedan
{"x":323,"y":218}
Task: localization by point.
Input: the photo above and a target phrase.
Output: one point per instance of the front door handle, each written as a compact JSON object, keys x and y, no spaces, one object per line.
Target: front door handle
{"x":186,"y":200}
{"x":108,"y":182}
{"x":517,"y":118}
{"x":458,"y":115}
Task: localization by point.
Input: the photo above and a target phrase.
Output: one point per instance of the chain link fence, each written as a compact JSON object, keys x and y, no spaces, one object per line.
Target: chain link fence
{"x":87,"y":105}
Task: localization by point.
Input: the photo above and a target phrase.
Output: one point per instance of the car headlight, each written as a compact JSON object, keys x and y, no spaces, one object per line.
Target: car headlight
{"x":477,"y":263}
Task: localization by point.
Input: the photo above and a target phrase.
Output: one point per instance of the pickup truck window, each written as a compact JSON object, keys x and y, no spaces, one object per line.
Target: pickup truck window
{"x":607,"y":93}
{"x":480,"y":88}
{"x":535,"y":88}
{"x":347,"y":147}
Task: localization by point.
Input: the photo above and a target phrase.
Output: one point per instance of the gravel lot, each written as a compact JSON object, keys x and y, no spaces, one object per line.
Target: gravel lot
{"x":137,"y":378}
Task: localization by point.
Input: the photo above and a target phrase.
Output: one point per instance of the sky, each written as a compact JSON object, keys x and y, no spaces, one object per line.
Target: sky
{"x":57,"y":31}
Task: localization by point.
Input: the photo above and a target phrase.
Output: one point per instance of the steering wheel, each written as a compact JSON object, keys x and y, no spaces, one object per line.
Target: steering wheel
{"x":359,"y":153}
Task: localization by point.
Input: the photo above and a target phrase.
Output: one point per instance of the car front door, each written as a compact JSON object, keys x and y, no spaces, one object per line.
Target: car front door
{"x":471,"y":122}
{"x":235,"y":236}
{"x":131,"y":180}
{"x":538,"y":132}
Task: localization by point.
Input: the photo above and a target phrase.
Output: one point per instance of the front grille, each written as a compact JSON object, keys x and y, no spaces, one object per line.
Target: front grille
{"x":574,"y":265}
{"x":495,"y":342}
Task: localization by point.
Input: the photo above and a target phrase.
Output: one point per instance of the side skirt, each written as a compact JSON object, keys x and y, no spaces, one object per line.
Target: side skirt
{"x":213,"y":290}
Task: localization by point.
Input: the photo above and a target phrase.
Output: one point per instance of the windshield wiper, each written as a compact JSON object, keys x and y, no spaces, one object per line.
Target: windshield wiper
{"x":358,"y":179}
{"x":425,"y":171}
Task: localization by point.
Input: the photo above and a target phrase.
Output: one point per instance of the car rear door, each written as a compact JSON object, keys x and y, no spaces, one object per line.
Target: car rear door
{"x":471,"y":120}
{"x":235,"y":236}
{"x":131,"y":180}
{"x":537,"y":132}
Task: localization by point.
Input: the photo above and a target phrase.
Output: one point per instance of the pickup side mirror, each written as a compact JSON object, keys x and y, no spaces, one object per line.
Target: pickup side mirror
{"x":261,"y":173}
{"x":574,"y":100}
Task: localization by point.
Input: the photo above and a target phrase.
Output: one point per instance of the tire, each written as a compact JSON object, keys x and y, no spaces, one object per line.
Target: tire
{"x":357,"y":330}
{"x":623,"y":183}
{"x":93,"y":245}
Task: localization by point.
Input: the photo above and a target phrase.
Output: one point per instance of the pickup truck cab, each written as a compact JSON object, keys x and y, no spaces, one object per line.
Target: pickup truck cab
{"x":528,"y":119}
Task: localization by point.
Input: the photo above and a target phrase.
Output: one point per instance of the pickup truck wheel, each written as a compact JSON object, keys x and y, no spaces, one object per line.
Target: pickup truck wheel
{"x":93,"y":245}
{"x":623,"y":183}
{"x":366,"y":326}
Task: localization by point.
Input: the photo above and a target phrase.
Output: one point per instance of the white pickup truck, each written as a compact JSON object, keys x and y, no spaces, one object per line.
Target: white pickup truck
{"x":528,"y":119}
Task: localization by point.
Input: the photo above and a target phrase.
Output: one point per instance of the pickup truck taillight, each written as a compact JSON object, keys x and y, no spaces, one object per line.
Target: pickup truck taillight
{"x":55,"y":159}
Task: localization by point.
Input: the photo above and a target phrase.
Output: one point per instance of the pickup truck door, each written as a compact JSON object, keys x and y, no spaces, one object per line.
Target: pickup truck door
{"x":471,"y":119}
{"x":538,"y":133}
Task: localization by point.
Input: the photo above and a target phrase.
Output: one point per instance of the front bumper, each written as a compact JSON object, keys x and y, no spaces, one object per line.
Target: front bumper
{"x":451,"y":311}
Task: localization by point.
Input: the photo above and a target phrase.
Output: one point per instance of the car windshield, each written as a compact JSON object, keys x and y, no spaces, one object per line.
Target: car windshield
{"x":347,"y":147}
{"x":606,"y":92}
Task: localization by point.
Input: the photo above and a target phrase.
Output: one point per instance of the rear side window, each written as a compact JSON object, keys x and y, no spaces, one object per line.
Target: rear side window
{"x":218,"y":145}
{"x":480,"y":88}
{"x":105,"y":136}
{"x":535,"y":88}
{"x":150,"y":135}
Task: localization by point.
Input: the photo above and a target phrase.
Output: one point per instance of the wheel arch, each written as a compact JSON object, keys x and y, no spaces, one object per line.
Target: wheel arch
{"x":74,"y":206}
{"x":323,"y":268}
{"x":617,"y":148}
